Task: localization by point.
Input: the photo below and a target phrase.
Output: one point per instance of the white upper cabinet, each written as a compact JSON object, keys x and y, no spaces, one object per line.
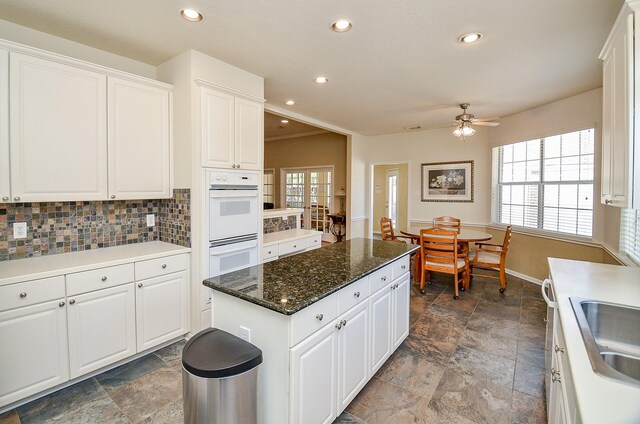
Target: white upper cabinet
{"x":139,"y":140}
{"x":58,"y":137}
{"x":232,"y":130}
{"x":619,"y":116}
{"x":5,"y":187}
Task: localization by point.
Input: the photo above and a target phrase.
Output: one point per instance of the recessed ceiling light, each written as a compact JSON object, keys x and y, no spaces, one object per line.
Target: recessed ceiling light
{"x":290,"y":102}
{"x":284,"y":121}
{"x":191,"y":15}
{"x":321,"y":80}
{"x":470,"y":38}
{"x":341,"y":25}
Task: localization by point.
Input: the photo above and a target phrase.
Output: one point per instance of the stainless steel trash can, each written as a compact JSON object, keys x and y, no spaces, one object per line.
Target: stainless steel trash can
{"x":219,"y":379}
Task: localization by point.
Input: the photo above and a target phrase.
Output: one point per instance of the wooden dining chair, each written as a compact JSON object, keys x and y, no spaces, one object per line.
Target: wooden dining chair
{"x":492,"y":256}
{"x":386,"y":230}
{"x":447,"y":222}
{"x":439,"y":253}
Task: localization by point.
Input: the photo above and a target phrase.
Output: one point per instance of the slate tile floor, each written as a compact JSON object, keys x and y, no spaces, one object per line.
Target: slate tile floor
{"x":474,"y":360}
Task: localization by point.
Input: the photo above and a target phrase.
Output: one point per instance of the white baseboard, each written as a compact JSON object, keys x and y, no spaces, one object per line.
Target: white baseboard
{"x":524,"y":277}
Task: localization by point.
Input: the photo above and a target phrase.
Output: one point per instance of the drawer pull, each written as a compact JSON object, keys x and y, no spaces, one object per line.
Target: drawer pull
{"x":164,"y":266}
{"x":295,"y":247}
{"x":268,"y":252}
{"x":403,"y":267}
{"x":72,"y":301}
{"x":61,"y":304}
{"x":16,"y":198}
{"x":339,"y":325}
{"x":104,"y":278}
{"x":383,"y":278}
{"x":5,"y":198}
{"x":23,"y":295}
{"x":357,"y":294}
{"x":140,"y":284}
{"x":344,"y":322}
{"x":319,"y":317}
{"x":559,"y":349}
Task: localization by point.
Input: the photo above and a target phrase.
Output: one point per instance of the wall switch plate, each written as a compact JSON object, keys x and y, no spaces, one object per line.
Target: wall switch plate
{"x":19,"y":230}
{"x":245,"y":334}
{"x":151,"y":220}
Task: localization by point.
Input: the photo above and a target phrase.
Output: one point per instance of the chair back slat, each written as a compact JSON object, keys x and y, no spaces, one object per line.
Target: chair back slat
{"x":386,"y":229}
{"x":439,"y":246}
{"x":447,"y":222}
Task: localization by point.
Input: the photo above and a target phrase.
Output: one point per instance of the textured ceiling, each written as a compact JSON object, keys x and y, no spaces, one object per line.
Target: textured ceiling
{"x":275,"y":129}
{"x":399,"y":66}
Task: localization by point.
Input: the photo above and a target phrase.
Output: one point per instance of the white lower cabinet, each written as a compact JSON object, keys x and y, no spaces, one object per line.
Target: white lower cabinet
{"x":161,"y":309}
{"x":400,"y":316}
{"x":33,"y":349}
{"x":381,"y":306}
{"x":101,"y":328}
{"x":353,"y":354}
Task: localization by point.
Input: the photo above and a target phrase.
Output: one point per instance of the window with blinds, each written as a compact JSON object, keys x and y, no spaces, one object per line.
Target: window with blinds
{"x":630,"y":234}
{"x":546,"y":183}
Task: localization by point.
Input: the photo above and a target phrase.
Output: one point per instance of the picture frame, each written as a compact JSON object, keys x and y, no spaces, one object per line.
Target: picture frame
{"x":447,"y":181}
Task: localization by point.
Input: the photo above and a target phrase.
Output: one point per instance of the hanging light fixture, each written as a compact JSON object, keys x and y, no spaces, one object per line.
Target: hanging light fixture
{"x":464,"y":130}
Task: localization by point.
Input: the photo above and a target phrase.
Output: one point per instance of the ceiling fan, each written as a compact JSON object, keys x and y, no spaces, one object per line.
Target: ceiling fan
{"x":465,"y":120}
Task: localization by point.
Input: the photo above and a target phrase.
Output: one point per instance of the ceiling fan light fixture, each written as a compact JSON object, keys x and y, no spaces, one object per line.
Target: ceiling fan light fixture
{"x":472,"y":37}
{"x":191,"y":15}
{"x":464,"y":130}
{"x":341,"y":25}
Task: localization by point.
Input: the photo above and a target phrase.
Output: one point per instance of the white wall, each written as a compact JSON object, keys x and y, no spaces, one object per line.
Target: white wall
{"x":42,"y":40}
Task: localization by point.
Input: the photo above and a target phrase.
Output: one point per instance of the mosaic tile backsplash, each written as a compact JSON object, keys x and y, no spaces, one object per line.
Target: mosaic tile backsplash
{"x":61,"y":227}
{"x":273,"y":225}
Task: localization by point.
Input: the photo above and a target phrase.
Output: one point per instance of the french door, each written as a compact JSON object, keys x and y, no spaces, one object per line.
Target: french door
{"x":310,"y":189}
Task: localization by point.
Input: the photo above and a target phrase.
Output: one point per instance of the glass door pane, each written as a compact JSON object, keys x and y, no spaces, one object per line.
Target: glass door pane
{"x":319,"y":199}
{"x":392,"y":196}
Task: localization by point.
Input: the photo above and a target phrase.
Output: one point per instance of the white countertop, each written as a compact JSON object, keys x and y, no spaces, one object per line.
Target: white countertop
{"x":288,"y":235}
{"x":19,"y":270}
{"x":273,"y":213}
{"x":600,"y":400}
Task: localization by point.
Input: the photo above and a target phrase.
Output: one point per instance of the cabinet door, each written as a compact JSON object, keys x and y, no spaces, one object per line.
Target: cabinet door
{"x":161,"y":309}
{"x":401,"y":311}
{"x":313,"y":378}
{"x":101,"y":328}
{"x":617,"y":122}
{"x":217,"y":111}
{"x":5,"y":188}
{"x":249,"y":134}
{"x":353,"y":354}
{"x":33,"y":352}
{"x":58,"y":134}
{"x":139,"y":141}
{"x":380,"y":305}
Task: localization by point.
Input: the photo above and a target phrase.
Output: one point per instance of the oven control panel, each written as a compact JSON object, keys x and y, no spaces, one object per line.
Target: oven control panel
{"x":234,"y":178}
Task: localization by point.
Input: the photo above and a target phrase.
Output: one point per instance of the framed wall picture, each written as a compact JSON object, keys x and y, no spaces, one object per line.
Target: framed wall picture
{"x":447,"y":181}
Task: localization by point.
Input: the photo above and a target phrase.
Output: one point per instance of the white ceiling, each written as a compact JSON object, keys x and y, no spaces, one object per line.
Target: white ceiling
{"x":275,"y":129}
{"x":399,"y":66}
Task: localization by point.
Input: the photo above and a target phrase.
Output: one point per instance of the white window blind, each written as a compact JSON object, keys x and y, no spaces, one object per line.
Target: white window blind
{"x":546,"y":183}
{"x":630,"y":234}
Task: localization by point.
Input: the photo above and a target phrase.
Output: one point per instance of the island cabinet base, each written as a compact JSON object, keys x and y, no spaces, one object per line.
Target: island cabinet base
{"x":318,"y":359}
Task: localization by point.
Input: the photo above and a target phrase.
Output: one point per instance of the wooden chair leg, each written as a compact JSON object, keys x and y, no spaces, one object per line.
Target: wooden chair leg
{"x":503,"y":280}
{"x":422,"y":281}
{"x":455,"y":287}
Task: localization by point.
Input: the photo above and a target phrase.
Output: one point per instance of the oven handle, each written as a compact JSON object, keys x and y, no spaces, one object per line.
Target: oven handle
{"x":215,"y":251}
{"x":222,"y":194}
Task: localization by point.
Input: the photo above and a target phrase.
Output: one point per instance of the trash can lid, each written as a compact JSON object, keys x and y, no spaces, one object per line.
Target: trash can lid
{"x":214,"y":353}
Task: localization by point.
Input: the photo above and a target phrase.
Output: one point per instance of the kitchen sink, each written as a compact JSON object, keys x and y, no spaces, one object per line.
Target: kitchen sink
{"x":611,"y":334}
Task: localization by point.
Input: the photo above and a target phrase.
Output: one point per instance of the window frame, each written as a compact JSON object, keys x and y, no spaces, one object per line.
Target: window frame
{"x":539,"y":230}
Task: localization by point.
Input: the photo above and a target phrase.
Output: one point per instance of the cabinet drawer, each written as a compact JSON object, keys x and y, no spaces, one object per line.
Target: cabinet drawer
{"x":31,"y":292}
{"x":353,"y":294}
{"x":314,"y":241}
{"x":269,"y":252}
{"x":292,"y":246}
{"x":380,"y":278}
{"x":313,"y":318}
{"x":400,"y":267}
{"x":160,"y":266}
{"x":96,"y":279}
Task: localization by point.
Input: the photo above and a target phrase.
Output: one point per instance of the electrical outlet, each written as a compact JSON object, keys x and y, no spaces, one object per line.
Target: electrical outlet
{"x":19,"y":230}
{"x":151,"y":220}
{"x":245,"y":334}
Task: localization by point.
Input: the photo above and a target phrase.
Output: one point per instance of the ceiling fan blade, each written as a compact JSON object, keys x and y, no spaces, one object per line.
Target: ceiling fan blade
{"x":443,"y":126}
{"x":493,"y":118}
{"x":488,"y":124}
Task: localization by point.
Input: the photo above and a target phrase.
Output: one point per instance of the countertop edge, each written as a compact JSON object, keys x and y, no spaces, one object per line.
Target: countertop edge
{"x":102,"y":258}
{"x":310,"y":233}
{"x":289,"y":312}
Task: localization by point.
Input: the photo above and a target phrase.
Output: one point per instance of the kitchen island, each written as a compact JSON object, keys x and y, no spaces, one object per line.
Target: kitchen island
{"x":325,"y":320}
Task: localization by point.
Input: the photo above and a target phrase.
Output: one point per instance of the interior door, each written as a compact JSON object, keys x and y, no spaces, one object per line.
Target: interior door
{"x":392,"y":196}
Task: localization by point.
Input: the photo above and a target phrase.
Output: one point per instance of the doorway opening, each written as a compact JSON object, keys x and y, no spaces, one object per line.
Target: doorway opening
{"x":390,"y":197}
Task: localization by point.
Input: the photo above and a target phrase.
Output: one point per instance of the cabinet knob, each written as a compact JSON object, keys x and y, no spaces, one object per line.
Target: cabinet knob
{"x":17,"y":198}
{"x":164,"y":266}
{"x":383,"y":278}
{"x":140,"y":284}
{"x":72,"y":301}
{"x":238,"y":166}
{"x":403,"y":267}
{"x":339,"y":325}
{"x":319,"y":317}
{"x":5,"y":198}
{"x":608,"y":202}
{"x":357,"y":294}
{"x":295,"y":247}
{"x":104,"y":278}
{"x":113,"y":196}
{"x":269,"y":252}
{"x":559,"y":349}
{"x":344,"y":322}
{"x":233,"y":166}
{"x":23,"y":294}
{"x":61,"y":304}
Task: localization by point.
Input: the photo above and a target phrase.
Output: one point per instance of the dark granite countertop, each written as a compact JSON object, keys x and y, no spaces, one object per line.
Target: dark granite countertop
{"x":290,"y":284}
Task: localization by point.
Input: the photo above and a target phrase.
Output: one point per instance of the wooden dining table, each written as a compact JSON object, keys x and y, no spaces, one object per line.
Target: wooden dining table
{"x":465,"y":236}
